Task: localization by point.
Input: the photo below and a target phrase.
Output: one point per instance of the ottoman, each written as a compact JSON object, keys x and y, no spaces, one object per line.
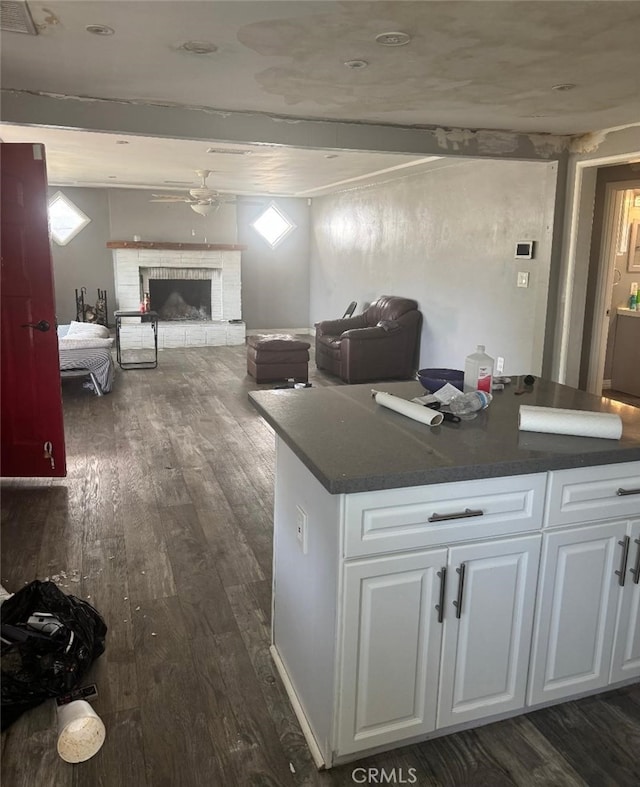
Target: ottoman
{"x":277,"y":356}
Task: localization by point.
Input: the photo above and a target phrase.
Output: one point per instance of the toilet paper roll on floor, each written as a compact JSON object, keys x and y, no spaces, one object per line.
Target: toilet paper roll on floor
{"x":417,"y":412}
{"x":582,"y":423}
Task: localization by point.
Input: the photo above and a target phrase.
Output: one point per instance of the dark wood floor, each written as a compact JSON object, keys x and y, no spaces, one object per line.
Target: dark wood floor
{"x":164,"y":523}
{"x":625,"y":398}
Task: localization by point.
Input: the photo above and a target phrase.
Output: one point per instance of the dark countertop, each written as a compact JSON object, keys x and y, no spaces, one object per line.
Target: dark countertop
{"x":351,"y":444}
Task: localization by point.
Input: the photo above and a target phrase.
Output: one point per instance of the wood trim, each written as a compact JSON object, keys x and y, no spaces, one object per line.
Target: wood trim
{"x":149,"y":244}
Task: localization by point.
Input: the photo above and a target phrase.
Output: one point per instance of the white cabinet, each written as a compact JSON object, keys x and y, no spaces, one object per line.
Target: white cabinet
{"x":625,"y":662}
{"x":410,"y":613}
{"x":579,"y":599}
{"x":485,"y":651}
{"x":588,"y":494}
{"x":391,"y":649}
{"x":409,"y":627}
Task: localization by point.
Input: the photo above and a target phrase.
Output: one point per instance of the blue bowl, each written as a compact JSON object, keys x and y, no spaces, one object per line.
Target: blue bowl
{"x":434,"y":379}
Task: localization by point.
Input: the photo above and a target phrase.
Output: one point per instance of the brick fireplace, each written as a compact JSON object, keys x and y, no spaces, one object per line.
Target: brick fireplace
{"x":195,"y":288}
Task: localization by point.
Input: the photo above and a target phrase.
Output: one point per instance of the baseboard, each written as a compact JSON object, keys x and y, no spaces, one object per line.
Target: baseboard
{"x":309,"y":737}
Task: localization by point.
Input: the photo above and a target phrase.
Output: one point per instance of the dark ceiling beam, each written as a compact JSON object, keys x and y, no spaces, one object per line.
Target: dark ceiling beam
{"x":179,"y":122}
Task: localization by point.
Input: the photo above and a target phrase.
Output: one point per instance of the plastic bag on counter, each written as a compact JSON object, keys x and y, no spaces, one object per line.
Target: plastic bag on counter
{"x":49,"y":640}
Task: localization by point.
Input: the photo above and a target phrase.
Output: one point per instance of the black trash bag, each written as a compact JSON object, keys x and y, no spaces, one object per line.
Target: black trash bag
{"x":49,"y":660}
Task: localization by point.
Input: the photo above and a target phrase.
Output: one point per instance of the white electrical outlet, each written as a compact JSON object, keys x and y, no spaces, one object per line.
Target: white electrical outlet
{"x":523,"y":278}
{"x":499,"y":364}
{"x":302,"y":523}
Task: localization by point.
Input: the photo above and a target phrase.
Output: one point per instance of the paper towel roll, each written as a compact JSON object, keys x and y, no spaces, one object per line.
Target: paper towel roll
{"x":412,"y":410}
{"x":583,"y":423}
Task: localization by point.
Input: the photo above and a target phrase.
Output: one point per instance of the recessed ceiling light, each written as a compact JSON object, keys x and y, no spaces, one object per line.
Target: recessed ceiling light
{"x":563,"y":86}
{"x":356,"y":64}
{"x":199,"y":47}
{"x":393,"y":39}
{"x":100,"y":30}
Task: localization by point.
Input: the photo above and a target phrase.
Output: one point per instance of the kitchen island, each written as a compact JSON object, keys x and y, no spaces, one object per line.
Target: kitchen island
{"x":427,"y":580}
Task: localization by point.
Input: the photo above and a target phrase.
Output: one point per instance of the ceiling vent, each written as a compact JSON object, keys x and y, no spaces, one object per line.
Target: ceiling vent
{"x":229,"y":151}
{"x":15,"y":17}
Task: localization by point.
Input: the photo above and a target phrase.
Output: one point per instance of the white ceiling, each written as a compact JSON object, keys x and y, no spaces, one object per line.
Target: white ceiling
{"x":476,"y":64}
{"x":92,"y":159}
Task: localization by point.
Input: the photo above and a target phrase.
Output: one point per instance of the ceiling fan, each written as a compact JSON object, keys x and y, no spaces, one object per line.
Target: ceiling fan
{"x":202,"y":199}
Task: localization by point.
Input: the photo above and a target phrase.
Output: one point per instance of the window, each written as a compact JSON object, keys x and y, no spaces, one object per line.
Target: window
{"x":65,"y":219}
{"x":273,"y":225}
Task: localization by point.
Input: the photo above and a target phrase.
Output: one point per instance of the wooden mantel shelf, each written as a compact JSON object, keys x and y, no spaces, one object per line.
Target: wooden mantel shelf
{"x":150,"y":244}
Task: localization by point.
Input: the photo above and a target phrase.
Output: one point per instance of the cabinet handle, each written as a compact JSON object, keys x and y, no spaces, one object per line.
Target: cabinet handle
{"x":457,"y":515}
{"x":623,"y":492}
{"x":458,"y":602}
{"x":635,"y":571}
{"x":623,"y":562}
{"x":443,"y":581}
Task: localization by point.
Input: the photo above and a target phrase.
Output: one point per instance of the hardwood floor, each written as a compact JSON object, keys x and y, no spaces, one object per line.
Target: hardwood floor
{"x":622,"y":397}
{"x":164,"y":523}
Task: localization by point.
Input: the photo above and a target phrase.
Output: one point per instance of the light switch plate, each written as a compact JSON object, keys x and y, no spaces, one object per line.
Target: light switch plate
{"x":523,"y":278}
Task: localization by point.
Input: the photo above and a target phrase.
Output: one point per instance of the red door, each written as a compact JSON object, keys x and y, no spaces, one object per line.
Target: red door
{"x":31,"y":397}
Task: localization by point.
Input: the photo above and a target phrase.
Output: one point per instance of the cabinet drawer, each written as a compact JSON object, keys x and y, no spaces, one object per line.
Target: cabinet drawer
{"x":421,"y":516}
{"x":587,"y":494}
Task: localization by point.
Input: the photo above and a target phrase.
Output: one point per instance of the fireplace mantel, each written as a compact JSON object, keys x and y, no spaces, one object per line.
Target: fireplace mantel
{"x":152,"y":244}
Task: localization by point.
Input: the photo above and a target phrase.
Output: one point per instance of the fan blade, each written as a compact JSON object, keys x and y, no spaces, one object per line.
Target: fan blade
{"x":168,"y":198}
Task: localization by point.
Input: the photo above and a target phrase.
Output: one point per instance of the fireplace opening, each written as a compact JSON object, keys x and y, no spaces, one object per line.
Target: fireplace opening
{"x":181,"y":299}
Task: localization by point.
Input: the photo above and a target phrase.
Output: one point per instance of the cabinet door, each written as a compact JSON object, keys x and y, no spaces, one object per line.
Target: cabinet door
{"x":577,"y":602}
{"x":390,"y":649}
{"x":487,"y":628}
{"x":625,"y":662}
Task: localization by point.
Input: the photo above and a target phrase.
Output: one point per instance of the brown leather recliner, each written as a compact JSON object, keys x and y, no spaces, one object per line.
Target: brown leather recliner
{"x":379,"y":344}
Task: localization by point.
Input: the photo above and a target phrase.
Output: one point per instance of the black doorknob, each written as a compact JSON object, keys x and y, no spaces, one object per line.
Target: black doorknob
{"x":43,"y":326}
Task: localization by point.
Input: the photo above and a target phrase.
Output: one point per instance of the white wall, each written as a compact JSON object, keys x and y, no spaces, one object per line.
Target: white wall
{"x":447,"y":239}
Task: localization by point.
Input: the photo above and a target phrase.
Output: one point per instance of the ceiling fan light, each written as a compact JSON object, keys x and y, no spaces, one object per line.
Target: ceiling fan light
{"x":206,"y":208}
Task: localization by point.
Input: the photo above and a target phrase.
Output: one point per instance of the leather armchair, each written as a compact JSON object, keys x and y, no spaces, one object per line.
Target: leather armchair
{"x":379,"y":344}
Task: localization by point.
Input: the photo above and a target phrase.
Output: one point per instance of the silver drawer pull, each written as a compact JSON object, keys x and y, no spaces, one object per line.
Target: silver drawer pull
{"x":458,"y":602}
{"x":635,"y":571}
{"x":623,"y":559}
{"x":443,"y":581}
{"x":623,"y":492}
{"x":457,"y":515}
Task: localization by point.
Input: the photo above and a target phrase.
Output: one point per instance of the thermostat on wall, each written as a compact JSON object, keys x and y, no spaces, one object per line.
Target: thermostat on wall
{"x":524,"y":250}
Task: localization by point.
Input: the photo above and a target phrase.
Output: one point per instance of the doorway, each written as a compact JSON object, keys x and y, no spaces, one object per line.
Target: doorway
{"x":606,"y":367}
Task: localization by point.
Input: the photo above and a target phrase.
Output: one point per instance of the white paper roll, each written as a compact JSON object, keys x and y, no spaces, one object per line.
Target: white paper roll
{"x":412,"y":410}
{"x":555,"y":420}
